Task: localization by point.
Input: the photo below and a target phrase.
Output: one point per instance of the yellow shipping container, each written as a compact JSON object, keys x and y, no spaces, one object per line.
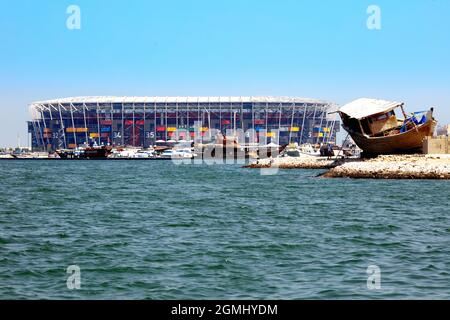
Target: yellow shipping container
{"x":94,"y":135}
{"x":326,"y":130}
{"x":204,"y":129}
{"x":72,"y":146}
{"x":270,"y":134}
{"x":171,"y":129}
{"x":82,"y":129}
{"x":295,"y":129}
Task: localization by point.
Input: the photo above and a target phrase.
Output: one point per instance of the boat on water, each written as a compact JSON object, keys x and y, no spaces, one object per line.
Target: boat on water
{"x":185,"y":153}
{"x":304,"y":150}
{"x":4,"y":155}
{"x":228,"y":147}
{"x":31,"y":155}
{"x":26,"y":153}
{"x":132,"y":153}
{"x":95,"y":152}
{"x":376,"y":129}
{"x":144,"y":154}
{"x":182,"y":153}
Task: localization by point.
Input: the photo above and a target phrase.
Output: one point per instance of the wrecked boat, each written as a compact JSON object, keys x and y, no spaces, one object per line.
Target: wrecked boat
{"x":376,"y":129}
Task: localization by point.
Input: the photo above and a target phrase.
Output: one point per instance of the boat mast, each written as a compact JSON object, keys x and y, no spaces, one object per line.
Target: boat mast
{"x":406,"y":117}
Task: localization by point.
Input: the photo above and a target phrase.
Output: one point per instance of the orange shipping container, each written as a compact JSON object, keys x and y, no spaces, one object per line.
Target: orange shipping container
{"x":72,"y":130}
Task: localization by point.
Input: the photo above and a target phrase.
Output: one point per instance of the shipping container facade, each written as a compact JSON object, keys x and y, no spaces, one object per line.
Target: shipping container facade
{"x":141,"y":122}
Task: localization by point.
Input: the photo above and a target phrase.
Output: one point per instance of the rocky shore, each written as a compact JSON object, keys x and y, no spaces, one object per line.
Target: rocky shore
{"x":395,"y":167}
{"x":305,"y":162}
{"x":382,"y":167}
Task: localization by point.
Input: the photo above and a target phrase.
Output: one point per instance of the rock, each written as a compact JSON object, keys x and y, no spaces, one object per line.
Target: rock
{"x":395,"y":167}
{"x":382,"y":167}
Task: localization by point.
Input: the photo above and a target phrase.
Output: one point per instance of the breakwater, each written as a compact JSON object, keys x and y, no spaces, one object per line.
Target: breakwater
{"x":395,"y":167}
{"x":382,"y":167}
{"x":305,"y":162}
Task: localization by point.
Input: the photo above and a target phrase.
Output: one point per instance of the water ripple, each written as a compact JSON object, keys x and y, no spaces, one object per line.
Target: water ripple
{"x":154,"y":230}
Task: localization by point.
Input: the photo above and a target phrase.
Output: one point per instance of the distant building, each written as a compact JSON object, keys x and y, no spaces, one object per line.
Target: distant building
{"x":141,"y":121}
{"x":443,"y":130}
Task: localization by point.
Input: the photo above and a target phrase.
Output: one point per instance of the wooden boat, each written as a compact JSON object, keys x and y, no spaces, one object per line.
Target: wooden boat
{"x":376,"y":129}
{"x":85,"y":153}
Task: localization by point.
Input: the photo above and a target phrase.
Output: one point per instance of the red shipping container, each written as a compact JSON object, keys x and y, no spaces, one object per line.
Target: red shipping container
{"x":259,"y":121}
{"x":105,"y":135}
{"x":106,"y":122}
{"x":226,"y":122}
{"x":128,"y":122}
{"x":140,"y":122}
{"x":160,"y":129}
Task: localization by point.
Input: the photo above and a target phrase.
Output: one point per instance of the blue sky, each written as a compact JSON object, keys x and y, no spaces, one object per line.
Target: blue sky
{"x":316,"y":49}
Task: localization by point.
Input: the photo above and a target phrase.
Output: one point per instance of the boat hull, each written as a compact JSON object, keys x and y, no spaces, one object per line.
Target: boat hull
{"x":403,"y":143}
{"x":88,"y":153}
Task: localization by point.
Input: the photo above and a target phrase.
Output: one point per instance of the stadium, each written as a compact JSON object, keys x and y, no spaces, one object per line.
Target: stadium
{"x":143,"y":121}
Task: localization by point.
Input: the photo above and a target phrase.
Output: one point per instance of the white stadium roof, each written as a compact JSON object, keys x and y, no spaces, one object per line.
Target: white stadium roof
{"x":112,"y":99}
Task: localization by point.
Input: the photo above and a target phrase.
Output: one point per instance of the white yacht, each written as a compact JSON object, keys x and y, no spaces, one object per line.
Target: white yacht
{"x":182,"y":153}
{"x":304,"y":150}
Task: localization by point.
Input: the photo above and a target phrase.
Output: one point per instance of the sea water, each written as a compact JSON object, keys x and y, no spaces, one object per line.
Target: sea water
{"x":156,"y":230}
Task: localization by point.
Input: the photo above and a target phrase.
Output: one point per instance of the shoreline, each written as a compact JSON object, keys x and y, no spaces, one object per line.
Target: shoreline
{"x":93,"y":159}
{"x":304,"y":162}
{"x":413,"y":167}
{"x":436,"y":167}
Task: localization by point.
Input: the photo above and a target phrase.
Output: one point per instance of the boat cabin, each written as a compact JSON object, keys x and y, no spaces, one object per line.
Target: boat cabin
{"x":375,"y":128}
{"x":373,"y":125}
{"x":374,"y":119}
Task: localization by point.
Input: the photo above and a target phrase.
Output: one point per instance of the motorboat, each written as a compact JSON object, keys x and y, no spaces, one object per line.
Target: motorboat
{"x":183,"y":153}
